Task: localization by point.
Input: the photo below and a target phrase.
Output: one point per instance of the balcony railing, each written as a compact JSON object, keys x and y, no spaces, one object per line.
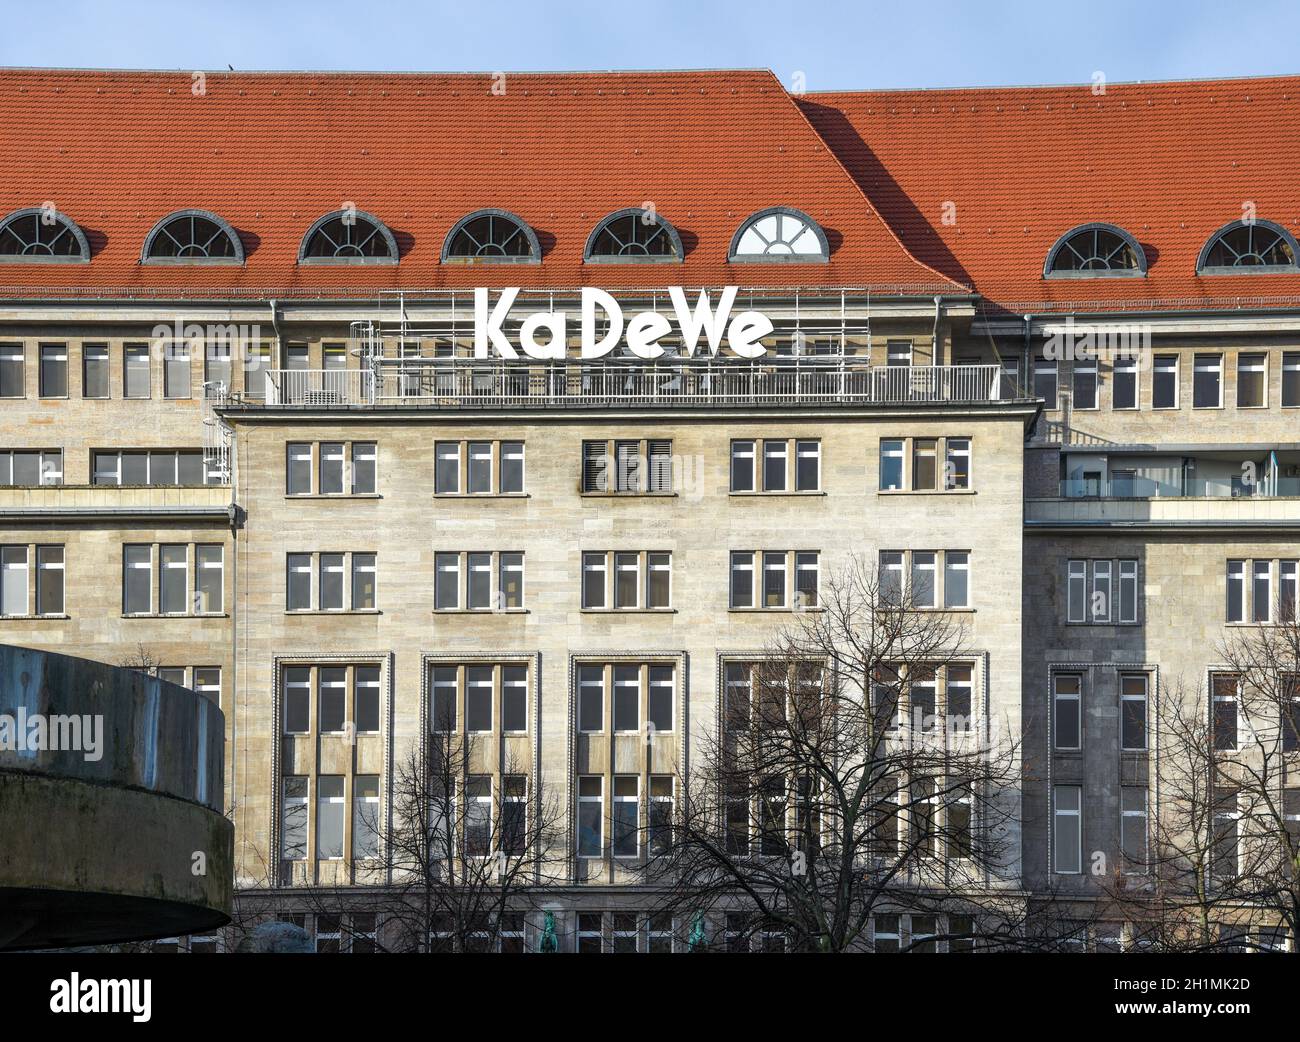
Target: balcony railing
{"x":462,"y":385}
{"x":1138,"y":487}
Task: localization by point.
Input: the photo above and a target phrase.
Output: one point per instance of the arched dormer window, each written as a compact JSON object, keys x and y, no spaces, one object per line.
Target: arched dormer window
{"x":192,"y":237}
{"x":1095,"y":251}
{"x":491,"y":237}
{"x":779,"y":233}
{"x":1243,"y":247}
{"x":348,"y":237}
{"x":42,"y":235}
{"x":633,"y":236}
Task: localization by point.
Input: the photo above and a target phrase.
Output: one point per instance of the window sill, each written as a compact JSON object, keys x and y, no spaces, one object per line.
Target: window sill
{"x":774,"y":611}
{"x":333,"y":495}
{"x":777,"y":495}
{"x":628,"y":495}
{"x":35,"y":618}
{"x":1105,"y":625}
{"x":481,"y":495}
{"x":333,"y":611}
{"x":628,"y":611}
{"x":176,"y":615}
{"x":480,"y":611}
{"x":925,"y":492}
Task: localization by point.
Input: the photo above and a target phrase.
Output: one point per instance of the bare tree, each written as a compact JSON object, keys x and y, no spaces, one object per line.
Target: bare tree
{"x":1224,"y":860}
{"x":470,"y":847}
{"x":851,"y":774}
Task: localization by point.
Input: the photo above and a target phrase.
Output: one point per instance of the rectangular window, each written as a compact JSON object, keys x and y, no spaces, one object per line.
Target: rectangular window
{"x":924,"y":457}
{"x":1225,"y":837}
{"x":1133,"y":712}
{"x":176,"y":370}
{"x":891,"y":465}
{"x":331,"y":468}
{"x":595,"y":466}
{"x":514,"y":699}
{"x":135,"y":371}
{"x":216,"y":365}
{"x":1236,"y":591}
{"x":11,"y":371}
{"x":1290,"y":379}
{"x":442,"y":694}
{"x":808,"y":472}
{"x":1133,"y":827}
{"x":1207,"y":382}
{"x":591,"y":699}
{"x":478,"y":699}
{"x":365,"y":816}
{"x":1128,"y":590}
{"x":330,"y":582}
{"x":774,"y":579}
{"x":363,"y":582}
{"x":511,"y":580}
{"x":1261,"y":590}
{"x":627,"y":699}
{"x":1124,"y":383}
{"x":1252,"y":382}
{"x":923,"y":579}
{"x":591,"y":818}
{"x":661,"y":466}
{"x":1288,"y":590}
{"x":514,"y":826}
{"x":891,"y":577}
{"x":512,"y":467}
{"x":173,"y":562}
{"x":742,"y":579}
{"x":1224,"y":690}
{"x":1100,"y":608}
{"x":366,"y":696}
{"x":659,"y":698}
{"x":13,"y":580}
{"x":332,"y":699}
{"x":626,"y":580}
{"x":298,"y":469}
{"x":447,"y":468}
{"x":478,"y":467}
{"x":774,"y":466}
{"x":1067,"y":711}
{"x":478,"y":582}
{"x":627,"y":466}
{"x":956,"y":579}
{"x":1085,"y":383}
{"x":293,"y":819}
{"x":54,"y":371}
{"x":49,"y":580}
{"x":364,"y":460}
{"x":209,"y":570}
{"x":1164,"y":382}
{"x":31,"y":467}
{"x":742,"y":466}
{"x":625,"y":831}
{"x":806,"y":571}
{"x":297,"y":582}
{"x":959,"y":696}
{"x":446,"y":581}
{"x":329,"y":816}
{"x":956,"y":470}
{"x":1045,"y":380}
{"x":257,"y":361}
{"x":593,"y":580}
{"x":885,"y":933}
{"x":1067,"y":854}
{"x":898,"y":352}
{"x":94,"y":370}
{"x":658,"y":583}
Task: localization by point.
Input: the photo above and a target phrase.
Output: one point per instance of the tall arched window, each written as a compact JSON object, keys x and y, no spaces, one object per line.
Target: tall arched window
{"x":1248,"y":246}
{"x":491,"y":237}
{"x":192,"y":237}
{"x":42,"y":235}
{"x":348,"y":237}
{"x":779,"y":233}
{"x":1095,"y":251}
{"x":633,"y":236}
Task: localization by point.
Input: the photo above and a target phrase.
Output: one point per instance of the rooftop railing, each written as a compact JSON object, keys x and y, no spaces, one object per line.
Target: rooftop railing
{"x":523,"y":385}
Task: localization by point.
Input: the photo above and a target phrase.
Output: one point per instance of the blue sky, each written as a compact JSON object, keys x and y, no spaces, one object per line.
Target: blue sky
{"x":835,"y":45}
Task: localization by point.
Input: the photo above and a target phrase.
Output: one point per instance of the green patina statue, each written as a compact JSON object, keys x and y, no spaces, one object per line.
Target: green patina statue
{"x":550,"y":943}
{"x":696,"y":941}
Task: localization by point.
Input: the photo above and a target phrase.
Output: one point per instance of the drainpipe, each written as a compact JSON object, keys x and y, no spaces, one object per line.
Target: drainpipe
{"x":275,"y":325}
{"x":934,"y":333}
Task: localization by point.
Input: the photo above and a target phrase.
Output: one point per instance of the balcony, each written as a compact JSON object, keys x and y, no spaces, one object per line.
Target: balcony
{"x":458,"y":384}
{"x":1166,"y":511}
{"x":65,"y":502}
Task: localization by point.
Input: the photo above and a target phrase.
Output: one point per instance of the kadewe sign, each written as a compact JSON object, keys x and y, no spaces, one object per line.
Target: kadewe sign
{"x":739,"y":334}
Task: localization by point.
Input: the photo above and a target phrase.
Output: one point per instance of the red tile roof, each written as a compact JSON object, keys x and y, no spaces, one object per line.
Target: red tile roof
{"x":1169,"y":162}
{"x":271,"y":152}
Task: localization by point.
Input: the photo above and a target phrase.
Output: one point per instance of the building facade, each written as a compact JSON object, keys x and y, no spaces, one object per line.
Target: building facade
{"x":1036,"y":350}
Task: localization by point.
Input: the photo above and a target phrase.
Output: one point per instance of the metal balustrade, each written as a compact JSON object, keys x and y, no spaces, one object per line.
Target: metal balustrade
{"x":458,"y":384}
